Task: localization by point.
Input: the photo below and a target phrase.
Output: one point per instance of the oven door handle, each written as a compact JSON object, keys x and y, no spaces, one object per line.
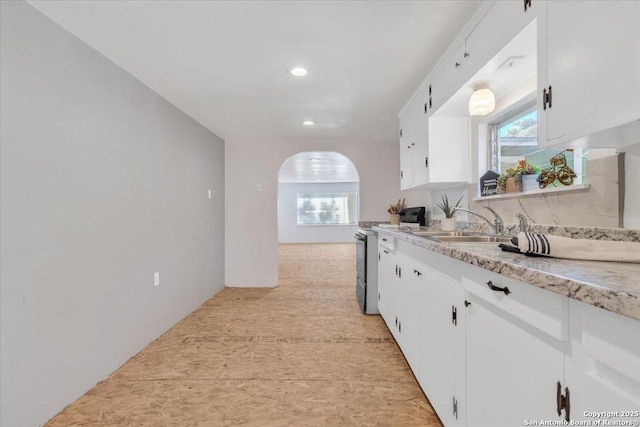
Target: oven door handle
{"x":359,"y":236}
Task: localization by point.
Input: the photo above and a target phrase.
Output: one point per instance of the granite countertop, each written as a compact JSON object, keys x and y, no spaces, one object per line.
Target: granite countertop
{"x":613,"y":286}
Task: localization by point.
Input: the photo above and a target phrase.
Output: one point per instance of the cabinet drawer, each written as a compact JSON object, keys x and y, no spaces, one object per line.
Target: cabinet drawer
{"x":387,"y":242}
{"x":543,"y":310}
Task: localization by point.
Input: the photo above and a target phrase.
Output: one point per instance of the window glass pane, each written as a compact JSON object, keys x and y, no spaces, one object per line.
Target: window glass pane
{"x":327,"y":208}
{"x":518,"y":139}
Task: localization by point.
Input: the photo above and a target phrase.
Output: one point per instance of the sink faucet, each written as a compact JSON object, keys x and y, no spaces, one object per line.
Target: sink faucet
{"x":497,"y":223}
{"x":523,"y":226}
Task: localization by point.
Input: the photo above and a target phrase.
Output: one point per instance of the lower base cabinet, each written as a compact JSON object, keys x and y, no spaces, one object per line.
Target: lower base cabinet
{"x":488,"y":350}
{"x":442,"y":345}
{"x":512,"y":369}
{"x":590,"y":394}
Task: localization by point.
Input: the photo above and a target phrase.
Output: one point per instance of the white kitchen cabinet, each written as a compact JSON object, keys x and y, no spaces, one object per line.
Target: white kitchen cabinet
{"x":589,"y":393}
{"x":435,"y":151}
{"x":499,"y":25}
{"x":407,"y":304}
{"x":441,"y":323}
{"x":512,"y":364}
{"x":602,"y":371}
{"x":400,"y":298}
{"x":496,"y":358}
{"x":413,"y":143}
{"x":406,"y":162}
{"x":386,"y":280}
{"x":494,"y":25}
{"x":589,"y":73}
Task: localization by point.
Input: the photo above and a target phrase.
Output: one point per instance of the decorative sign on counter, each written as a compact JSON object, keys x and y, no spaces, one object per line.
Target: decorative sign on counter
{"x":489,"y":184}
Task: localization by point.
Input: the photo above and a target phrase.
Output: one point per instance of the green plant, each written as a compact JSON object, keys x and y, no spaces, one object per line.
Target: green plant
{"x":447,"y":208}
{"x":502,"y":179}
{"x":526,"y":168}
{"x":523,"y":168}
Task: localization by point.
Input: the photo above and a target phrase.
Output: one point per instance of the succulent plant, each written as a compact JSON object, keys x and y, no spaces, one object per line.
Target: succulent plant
{"x":447,"y":208}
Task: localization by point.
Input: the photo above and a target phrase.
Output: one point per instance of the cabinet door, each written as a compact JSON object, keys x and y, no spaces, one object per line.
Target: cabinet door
{"x":451,"y":72}
{"x":386,"y":285}
{"x":602,"y":368}
{"x":449,"y":157}
{"x":406,"y":167}
{"x":406,"y":306}
{"x":420,"y":151}
{"x":512,"y":368}
{"x":502,"y":22}
{"x":440,"y":336}
{"x":589,"y":393}
{"x":592,"y":66}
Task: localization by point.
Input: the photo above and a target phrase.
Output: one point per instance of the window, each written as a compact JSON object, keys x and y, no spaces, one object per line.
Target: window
{"x":327,"y":208}
{"x":516,"y":138}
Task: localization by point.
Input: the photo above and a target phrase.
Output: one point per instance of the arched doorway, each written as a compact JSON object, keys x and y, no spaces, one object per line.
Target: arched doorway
{"x":318,"y":198}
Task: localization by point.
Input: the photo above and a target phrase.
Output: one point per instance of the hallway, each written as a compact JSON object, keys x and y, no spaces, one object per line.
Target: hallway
{"x":299,"y":354}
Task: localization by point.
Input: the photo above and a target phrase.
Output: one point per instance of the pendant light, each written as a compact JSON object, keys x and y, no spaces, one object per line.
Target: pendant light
{"x":482,"y":101}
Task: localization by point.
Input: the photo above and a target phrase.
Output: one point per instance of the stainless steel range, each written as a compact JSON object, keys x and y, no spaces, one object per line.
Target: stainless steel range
{"x":367,"y":269}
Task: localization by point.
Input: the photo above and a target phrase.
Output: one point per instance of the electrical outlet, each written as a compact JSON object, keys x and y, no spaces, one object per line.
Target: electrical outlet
{"x":258,"y":187}
{"x":156,"y":279}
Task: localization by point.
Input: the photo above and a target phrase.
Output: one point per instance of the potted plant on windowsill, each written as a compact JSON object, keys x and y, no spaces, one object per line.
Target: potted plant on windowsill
{"x":509,"y":182}
{"x":524,"y":177}
{"x":529,"y":175}
{"x":449,"y":222}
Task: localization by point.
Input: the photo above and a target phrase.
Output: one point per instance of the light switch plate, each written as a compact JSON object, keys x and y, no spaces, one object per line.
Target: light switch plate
{"x":209,"y":194}
{"x":156,"y":279}
{"x":258,"y":187}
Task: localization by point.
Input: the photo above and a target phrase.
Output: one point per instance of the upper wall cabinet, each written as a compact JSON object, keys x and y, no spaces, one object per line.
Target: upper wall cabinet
{"x":502,"y":22}
{"x":589,"y":73}
{"x":413,"y":144}
{"x":435,"y":148}
{"x":495,"y":24}
{"x":434,"y":151}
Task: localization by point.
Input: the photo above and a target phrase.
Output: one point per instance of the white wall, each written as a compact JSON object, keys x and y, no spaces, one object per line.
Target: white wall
{"x":103,"y":184}
{"x":290,"y":232}
{"x":251,"y":239}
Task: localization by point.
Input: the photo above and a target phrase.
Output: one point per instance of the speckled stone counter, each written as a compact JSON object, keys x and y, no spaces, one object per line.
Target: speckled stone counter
{"x":612,"y":286}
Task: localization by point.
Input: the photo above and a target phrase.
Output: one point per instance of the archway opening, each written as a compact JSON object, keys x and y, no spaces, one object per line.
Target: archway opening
{"x":318,"y":198}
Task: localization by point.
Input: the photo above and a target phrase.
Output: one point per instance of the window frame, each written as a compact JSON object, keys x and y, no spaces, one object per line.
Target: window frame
{"x":328,"y":194}
{"x":494,"y":127}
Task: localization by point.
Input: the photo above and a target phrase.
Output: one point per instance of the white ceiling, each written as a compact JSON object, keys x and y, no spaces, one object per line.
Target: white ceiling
{"x":224,"y":62}
{"x":318,"y":166}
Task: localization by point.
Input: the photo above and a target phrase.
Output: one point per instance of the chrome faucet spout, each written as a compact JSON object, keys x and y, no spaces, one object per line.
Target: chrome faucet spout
{"x":523,"y":226}
{"x":497,"y":223}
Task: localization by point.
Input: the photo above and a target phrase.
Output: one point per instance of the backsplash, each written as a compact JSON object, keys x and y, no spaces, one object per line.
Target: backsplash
{"x":599,"y":206}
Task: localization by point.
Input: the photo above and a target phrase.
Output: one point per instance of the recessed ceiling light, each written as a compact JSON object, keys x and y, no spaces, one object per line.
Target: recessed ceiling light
{"x":314,"y":159}
{"x":308,"y":123}
{"x":315,"y":171}
{"x":298,"y":71}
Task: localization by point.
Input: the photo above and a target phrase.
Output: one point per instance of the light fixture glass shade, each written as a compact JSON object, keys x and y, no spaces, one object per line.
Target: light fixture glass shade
{"x":298,"y":71}
{"x":482,"y":102}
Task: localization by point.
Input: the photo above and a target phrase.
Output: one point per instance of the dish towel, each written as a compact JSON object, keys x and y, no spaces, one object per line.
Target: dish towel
{"x":566,"y":247}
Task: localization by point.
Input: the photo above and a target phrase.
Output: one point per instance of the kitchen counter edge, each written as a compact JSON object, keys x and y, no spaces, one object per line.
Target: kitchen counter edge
{"x":608,"y":285}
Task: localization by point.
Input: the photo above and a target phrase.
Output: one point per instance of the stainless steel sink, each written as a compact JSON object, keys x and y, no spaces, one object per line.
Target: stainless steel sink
{"x":471,"y":239}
